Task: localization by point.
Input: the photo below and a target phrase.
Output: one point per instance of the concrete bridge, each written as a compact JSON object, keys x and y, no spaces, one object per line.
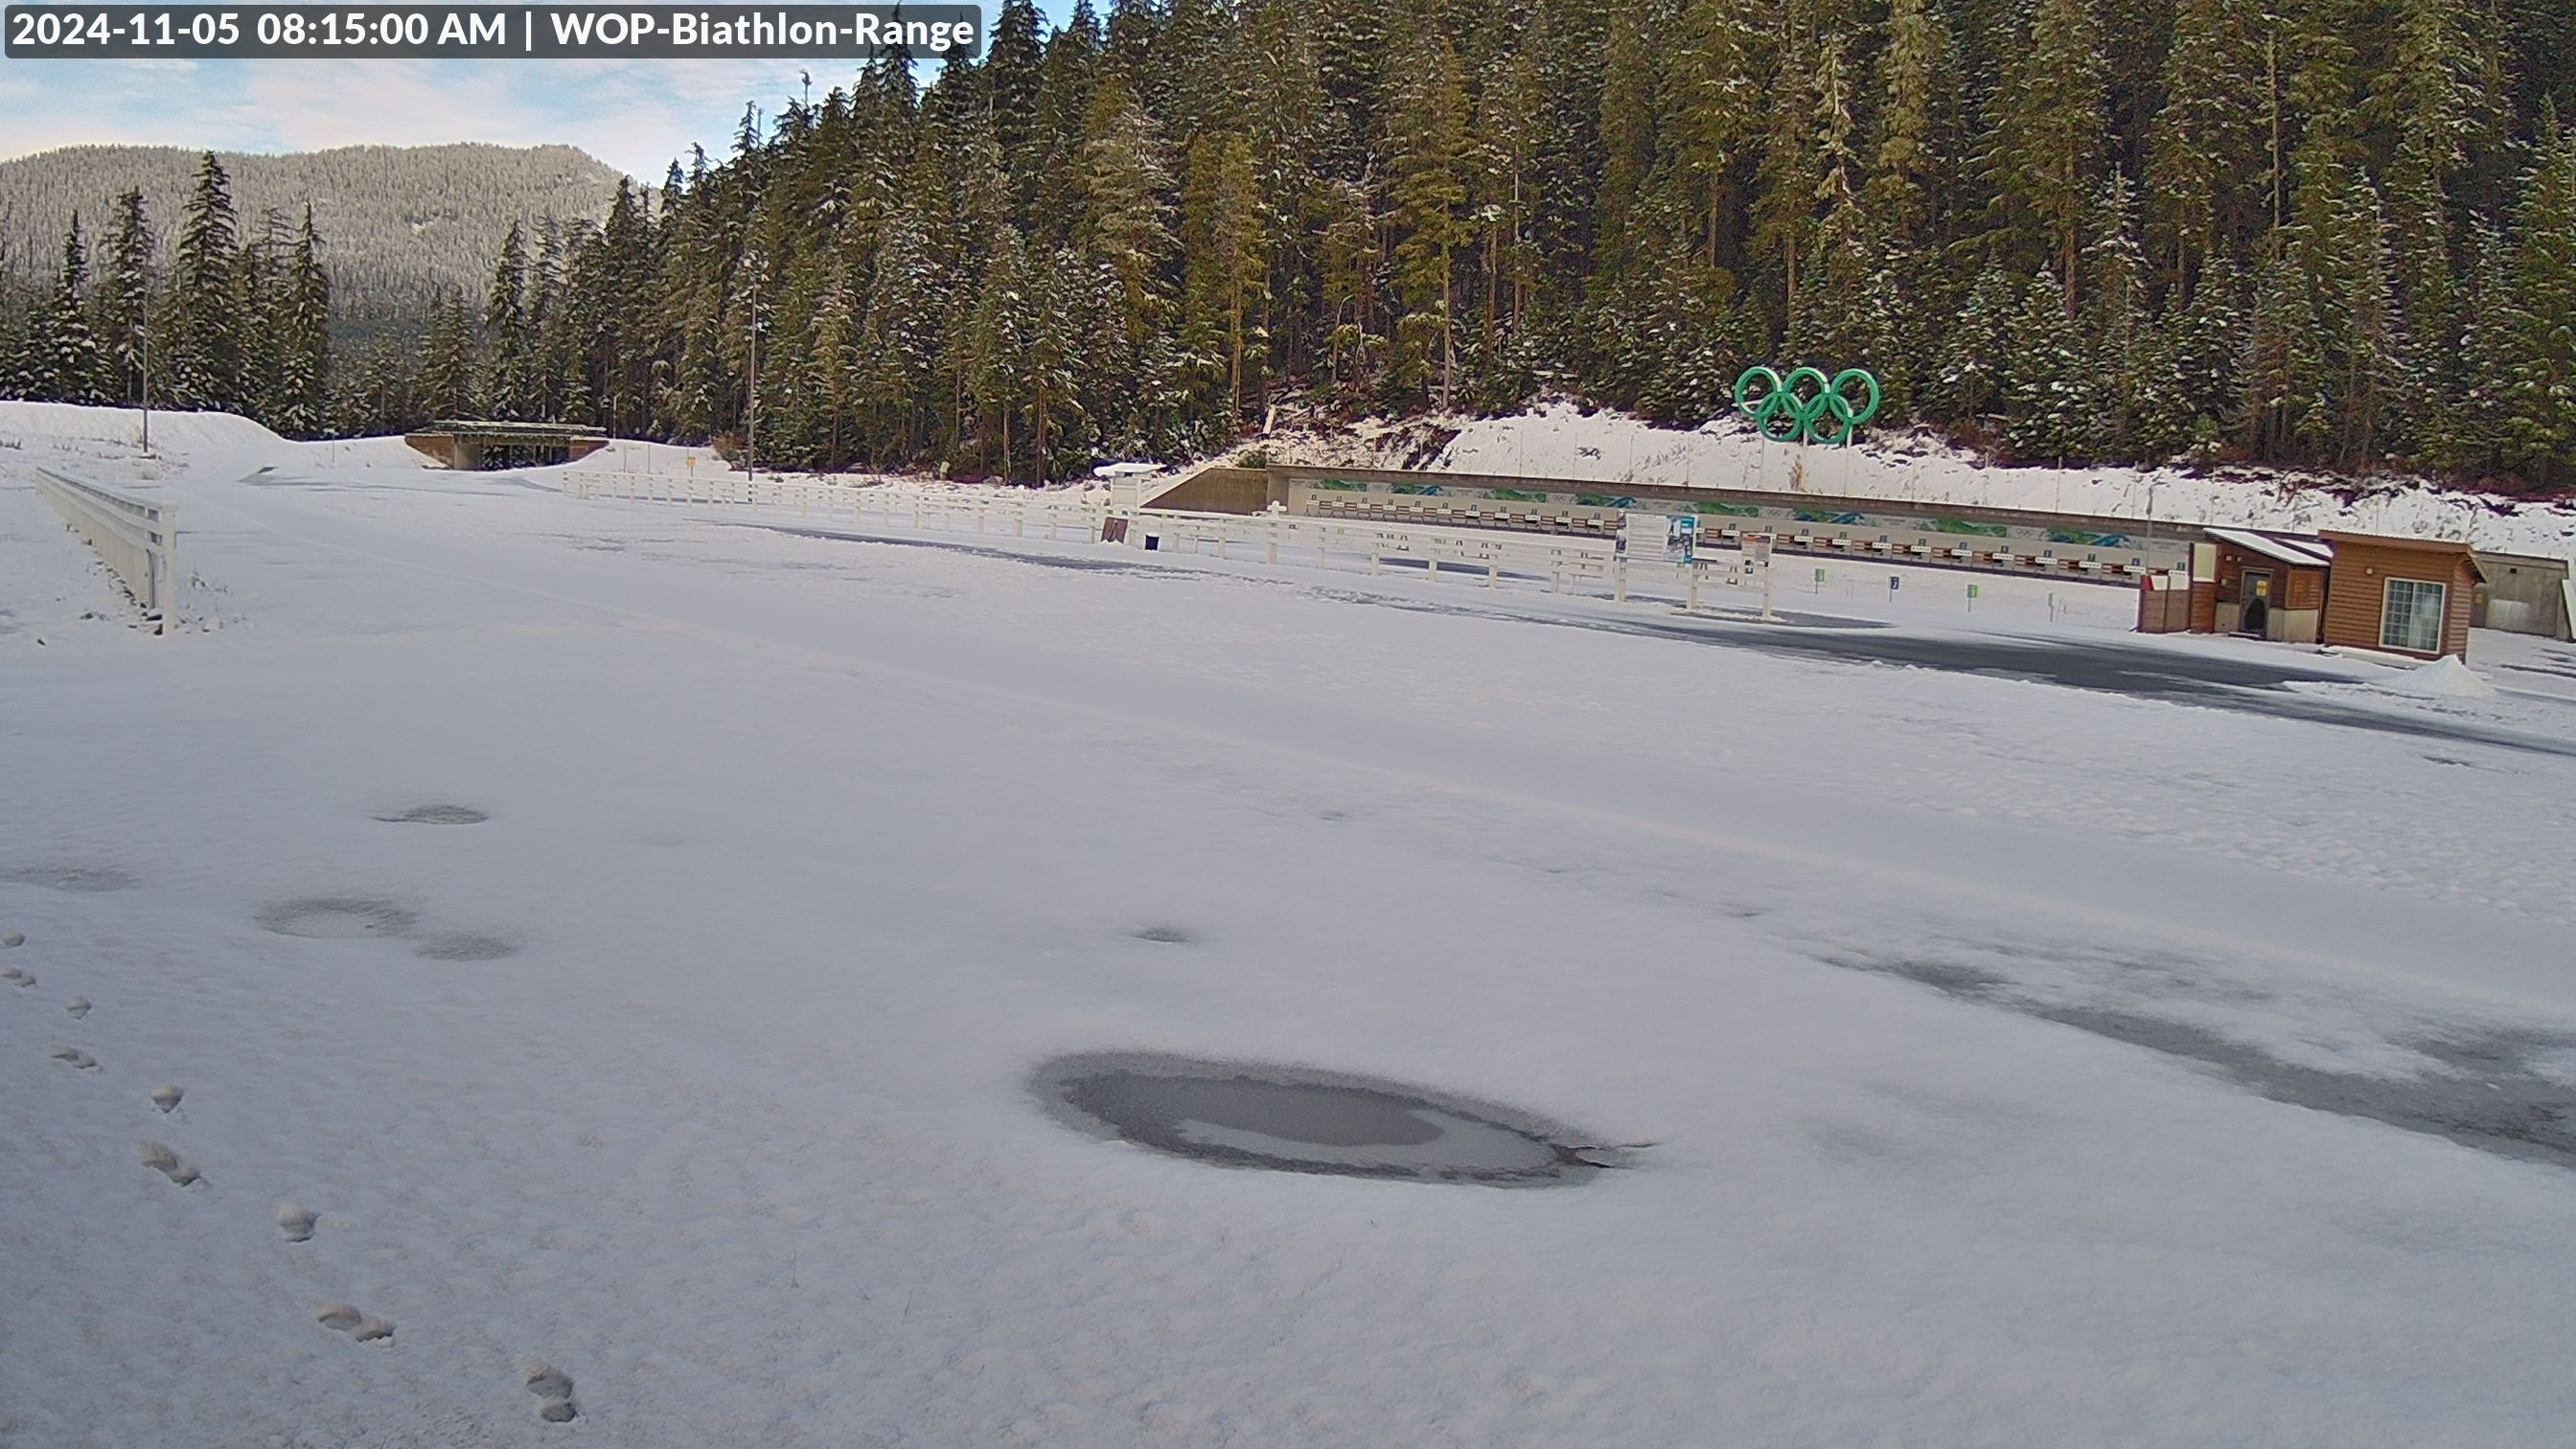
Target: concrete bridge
{"x":471,"y":444}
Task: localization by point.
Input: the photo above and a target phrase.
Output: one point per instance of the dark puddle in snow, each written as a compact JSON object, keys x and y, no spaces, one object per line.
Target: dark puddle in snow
{"x":338,"y":918}
{"x":436,"y":815}
{"x":1298,"y":1119}
{"x":2494,"y":1100}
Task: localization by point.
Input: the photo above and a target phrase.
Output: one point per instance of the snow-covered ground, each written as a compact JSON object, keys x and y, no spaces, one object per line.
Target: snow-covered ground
{"x":1560,"y":441}
{"x":2023,"y":1065}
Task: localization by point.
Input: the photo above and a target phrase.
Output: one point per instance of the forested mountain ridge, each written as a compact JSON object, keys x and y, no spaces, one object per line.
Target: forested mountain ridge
{"x":402,"y":221}
{"x":2338,"y":233}
{"x":2335,"y":234}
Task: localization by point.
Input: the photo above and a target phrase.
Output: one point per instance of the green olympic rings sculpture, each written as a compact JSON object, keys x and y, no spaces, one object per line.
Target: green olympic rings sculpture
{"x":1804,"y":407}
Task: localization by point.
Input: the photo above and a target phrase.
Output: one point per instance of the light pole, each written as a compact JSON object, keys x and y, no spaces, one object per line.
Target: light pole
{"x":657,"y":395}
{"x":143,"y":368}
{"x":751,"y":385}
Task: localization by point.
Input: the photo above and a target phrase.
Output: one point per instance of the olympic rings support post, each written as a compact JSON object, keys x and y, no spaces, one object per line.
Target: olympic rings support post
{"x":1805,"y":407}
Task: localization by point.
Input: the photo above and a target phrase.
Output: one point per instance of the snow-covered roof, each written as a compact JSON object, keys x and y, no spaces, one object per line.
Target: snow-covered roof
{"x":2306,"y":553}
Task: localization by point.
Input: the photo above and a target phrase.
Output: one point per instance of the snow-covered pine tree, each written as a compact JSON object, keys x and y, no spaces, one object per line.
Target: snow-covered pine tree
{"x":2046,"y":137}
{"x":1720,"y":51}
{"x":2539,"y":393}
{"x":261,"y":283}
{"x":447,"y":364}
{"x":998,"y":342}
{"x":1425,"y":197}
{"x":506,"y":389}
{"x":1125,"y":222}
{"x":2115,"y":313}
{"x":1973,"y":372}
{"x":304,"y":376}
{"x":63,"y":361}
{"x":2053,"y":394}
{"x":2459,"y":432}
{"x":1831,"y":322}
{"x":122,"y":300}
{"x":1225,"y":265}
{"x":2205,"y":146}
{"x":203,"y":317}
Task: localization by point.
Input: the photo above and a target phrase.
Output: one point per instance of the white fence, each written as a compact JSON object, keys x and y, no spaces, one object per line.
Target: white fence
{"x":1571,"y":565}
{"x":1484,"y":554}
{"x":138,"y":537}
{"x":1019,"y":512}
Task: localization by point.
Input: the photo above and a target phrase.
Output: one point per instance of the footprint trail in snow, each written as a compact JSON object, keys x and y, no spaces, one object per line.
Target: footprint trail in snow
{"x":167,"y":1162}
{"x":365,"y":1328}
{"x":295,"y":1222}
{"x":553,"y":1388}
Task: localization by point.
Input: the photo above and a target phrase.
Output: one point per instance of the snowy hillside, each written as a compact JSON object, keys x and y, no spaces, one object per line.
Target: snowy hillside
{"x":40,"y":428}
{"x":513,"y":957}
{"x":401,"y":219}
{"x":1561,"y":442}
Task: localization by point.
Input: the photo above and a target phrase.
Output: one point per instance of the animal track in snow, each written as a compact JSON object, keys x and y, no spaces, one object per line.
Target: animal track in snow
{"x":365,"y":1328}
{"x":77,"y":1006}
{"x":553,"y":1387}
{"x":166,"y":1097}
{"x":14,"y":938}
{"x":87,"y":879}
{"x":17,"y":977}
{"x":161,"y":1159}
{"x":297,"y":1223}
{"x":466,"y":948}
{"x":76,"y":1057}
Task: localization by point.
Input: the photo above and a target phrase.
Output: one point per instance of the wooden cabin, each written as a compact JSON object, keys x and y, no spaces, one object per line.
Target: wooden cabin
{"x":2272,"y":586}
{"x":2409,"y":596}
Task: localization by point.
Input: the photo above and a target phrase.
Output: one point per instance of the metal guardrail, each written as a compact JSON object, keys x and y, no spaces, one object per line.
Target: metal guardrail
{"x":137,"y":537}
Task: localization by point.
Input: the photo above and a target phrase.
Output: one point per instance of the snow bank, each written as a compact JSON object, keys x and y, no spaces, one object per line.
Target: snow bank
{"x":389,"y":451}
{"x":1560,"y":441}
{"x":75,"y":430}
{"x":2444,"y":678}
{"x":635,"y":455}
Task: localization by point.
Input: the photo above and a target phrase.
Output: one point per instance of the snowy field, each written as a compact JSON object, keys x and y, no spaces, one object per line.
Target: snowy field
{"x":2022,"y":1064}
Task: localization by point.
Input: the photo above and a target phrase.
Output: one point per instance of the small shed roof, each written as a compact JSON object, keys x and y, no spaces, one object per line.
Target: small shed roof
{"x":2450,"y":546}
{"x":2306,"y":553}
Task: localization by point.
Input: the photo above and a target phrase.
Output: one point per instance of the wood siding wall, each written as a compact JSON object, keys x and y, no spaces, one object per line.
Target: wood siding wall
{"x":1222,"y":490}
{"x":2355,"y":595}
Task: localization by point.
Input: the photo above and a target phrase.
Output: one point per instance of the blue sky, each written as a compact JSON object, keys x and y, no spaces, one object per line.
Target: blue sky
{"x":636,"y":115}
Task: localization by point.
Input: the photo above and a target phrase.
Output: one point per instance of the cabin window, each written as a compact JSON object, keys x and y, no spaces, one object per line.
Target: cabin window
{"x":2410,"y":616}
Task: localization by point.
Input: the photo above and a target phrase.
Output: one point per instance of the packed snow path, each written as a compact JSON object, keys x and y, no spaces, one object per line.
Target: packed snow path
{"x":2023,"y":1064}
